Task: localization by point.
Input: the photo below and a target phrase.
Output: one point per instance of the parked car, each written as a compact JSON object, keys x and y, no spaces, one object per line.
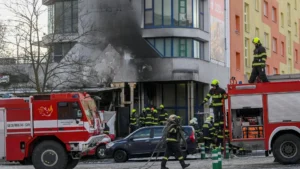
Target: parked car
{"x":143,"y":142}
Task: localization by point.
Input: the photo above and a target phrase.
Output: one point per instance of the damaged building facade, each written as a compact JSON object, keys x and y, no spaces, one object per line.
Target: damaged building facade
{"x":156,"y":51}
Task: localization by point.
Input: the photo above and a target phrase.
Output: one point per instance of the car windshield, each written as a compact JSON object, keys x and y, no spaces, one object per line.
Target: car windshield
{"x":90,"y":108}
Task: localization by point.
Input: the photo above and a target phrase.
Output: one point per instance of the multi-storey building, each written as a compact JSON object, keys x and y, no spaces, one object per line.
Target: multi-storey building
{"x":161,"y":45}
{"x":276,"y":23}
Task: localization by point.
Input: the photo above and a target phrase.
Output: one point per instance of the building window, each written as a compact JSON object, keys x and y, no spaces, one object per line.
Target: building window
{"x":174,"y":13}
{"x":246,"y":17}
{"x":274,"y":45}
{"x":290,"y":68}
{"x":267,"y":40}
{"x":296,"y":56}
{"x":275,"y":71}
{"x":257,"y":5}
{"x":289,"y":14}
{"x":289,"y":42}
{"x":274,"y":14}
{"x":237,"y":23}
{"x":296,"y":29}
{"x":282,"y":19}
{"x":256,"y":32}
{"x":63,"y":17}
{"x":247,"y":52}
{"x":67,"y":110}
{"x":266,"y":8}
{"x":282,"y":49}
{"x":178,"y":47}
{"x":238,"y":61}
{"x":60,"y":50}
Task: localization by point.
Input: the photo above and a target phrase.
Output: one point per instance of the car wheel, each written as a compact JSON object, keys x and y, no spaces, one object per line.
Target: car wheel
{"x":286,"y":149}
{"x":100,"y":152}
{"x":120,"y":156}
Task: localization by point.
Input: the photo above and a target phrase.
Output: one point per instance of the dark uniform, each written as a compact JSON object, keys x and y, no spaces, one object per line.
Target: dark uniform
{"x":259,"y":62}
{"x":163,"y":115}
{"x":208,"y":133}
{"x":142,"y":118}
{"x":106,"y":129}
{"x":155,"y":117}
{"x":133,"y":120}
{"x":173,"y":145}
{"x":148,"y":117}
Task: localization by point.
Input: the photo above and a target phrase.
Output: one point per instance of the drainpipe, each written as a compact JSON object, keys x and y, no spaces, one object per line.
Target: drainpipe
{"x":192,"y":100}
{"x":132,"y":87}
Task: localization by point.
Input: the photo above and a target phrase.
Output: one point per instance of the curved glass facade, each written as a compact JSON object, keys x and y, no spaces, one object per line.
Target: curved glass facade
{"x":174,"y":13}
{"x":178,"y":47}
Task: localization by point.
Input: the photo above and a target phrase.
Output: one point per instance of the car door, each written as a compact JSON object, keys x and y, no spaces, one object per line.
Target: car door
{"x":156,"y":138}
{"x":139,"y":142}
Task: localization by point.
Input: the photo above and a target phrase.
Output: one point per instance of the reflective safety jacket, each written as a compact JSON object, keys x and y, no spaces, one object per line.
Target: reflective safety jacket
{"x":217,"y":95}
{"x":174,"y":134}
{"x":148,"y":117}
{"x":208,"y":131}
{"x":133,"y":118}
{"x":163,"y":116}
{"x":155,"y":117}
{"x":260,"y":56}
{"x":142,"y":117}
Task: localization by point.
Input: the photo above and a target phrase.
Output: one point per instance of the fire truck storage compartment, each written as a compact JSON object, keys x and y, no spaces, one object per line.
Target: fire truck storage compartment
{"x":247,"y":117}
{"x":2,"y":134}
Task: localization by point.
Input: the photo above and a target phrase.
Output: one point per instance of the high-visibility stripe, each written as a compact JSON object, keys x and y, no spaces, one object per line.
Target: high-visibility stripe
{"x":180,"y":158}
{"x":260,"y":55}
{"x":258,"y":64}
{"x":165,"y":158}
{"x":208,"y":95}
{"x":171,"y":139}
{"x":217,"y":104}
{"x":264,"y":59}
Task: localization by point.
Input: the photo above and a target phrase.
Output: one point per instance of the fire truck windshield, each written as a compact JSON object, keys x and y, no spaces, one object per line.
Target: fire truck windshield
{"x":90,"y":108}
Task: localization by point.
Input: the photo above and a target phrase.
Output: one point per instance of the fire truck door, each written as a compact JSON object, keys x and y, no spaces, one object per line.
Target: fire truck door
{"x":2,"y":133}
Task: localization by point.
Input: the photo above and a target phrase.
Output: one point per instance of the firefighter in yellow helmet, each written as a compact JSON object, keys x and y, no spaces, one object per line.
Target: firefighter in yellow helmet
{"x":259,"y":62}
{"x":133,"y":120}
{"x":218,"y":95}
{"x":163,"y":115}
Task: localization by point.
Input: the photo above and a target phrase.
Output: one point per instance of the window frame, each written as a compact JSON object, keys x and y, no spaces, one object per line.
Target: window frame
{"x":247,"y":52}
{"x":274,"y":45}
{"x":266,"y":5}
{"x":69,"y":111}
{"x":246,"y":18}
{"x":274,"y":14}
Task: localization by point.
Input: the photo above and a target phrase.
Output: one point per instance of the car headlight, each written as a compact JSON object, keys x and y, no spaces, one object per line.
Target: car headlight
{"x":109,"y":145}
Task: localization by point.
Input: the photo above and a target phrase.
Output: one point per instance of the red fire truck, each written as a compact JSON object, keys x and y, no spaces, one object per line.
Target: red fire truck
{"x":266,"y":116}
{"x":51,"y":131}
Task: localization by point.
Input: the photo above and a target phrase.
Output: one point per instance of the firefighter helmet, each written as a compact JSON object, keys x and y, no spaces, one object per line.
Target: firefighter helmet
{"x":256,"y":40}
{"x":215,"y":82}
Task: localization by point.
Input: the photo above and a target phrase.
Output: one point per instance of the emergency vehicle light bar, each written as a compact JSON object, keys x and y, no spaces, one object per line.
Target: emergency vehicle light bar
{"x":245,"y":87}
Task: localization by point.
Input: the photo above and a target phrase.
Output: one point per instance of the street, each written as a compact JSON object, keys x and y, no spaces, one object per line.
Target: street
{"x":251,"y":162}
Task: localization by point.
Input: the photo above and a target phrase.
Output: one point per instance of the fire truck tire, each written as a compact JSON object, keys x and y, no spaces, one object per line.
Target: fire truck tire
{"x":120,"y":156}
{"x":49,"y":155}
{"x":286,"y":149}
{"x":100,"y":152}
{"x":72,"y":163}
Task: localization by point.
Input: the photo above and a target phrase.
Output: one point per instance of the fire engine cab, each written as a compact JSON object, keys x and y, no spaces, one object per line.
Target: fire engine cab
{"x":266,"y":116}
{"x":51,"y":131}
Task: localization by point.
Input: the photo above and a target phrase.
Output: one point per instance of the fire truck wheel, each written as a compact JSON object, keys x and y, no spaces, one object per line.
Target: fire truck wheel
{"x":100,"y":152}
{"x":286,"y":149}
{"x":49,"y":154}
{"x":72,"y":163}
{"x":120,"y":156}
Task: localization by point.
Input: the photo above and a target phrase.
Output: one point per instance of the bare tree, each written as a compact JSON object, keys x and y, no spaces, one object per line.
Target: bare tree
{"x":37,"y":50}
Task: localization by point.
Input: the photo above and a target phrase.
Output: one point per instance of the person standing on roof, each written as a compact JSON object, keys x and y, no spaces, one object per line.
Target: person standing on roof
{"x":172,"y":135}
{"x":133,"y":120}
{"x":163,"y":115}
{"x":259,"y":62}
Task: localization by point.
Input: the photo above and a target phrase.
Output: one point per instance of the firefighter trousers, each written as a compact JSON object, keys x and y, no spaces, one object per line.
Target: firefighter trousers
{"x":219,"y":117}
{"x":173,"y":148}
{"x":260,"y":72}
{"x":220,"y":143}
{"x":207,"y":144}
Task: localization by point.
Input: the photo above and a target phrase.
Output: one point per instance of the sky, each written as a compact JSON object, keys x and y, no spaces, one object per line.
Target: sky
{"x":5,"y":15}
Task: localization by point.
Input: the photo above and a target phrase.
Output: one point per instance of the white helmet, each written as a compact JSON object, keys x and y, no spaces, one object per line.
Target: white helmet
{"x":194,"y":121}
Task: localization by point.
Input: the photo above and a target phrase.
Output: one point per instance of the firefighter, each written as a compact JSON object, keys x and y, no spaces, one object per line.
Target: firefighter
{"x":163,"y":115}
{"x":217,"y":94}
{"x":208,"y":134}
{"x":173,"y":134}
{"x":142,"y":117}
{"x":194,"y":123}
{"x":133,"y":120}
{"x":259,"y":62}
{"x":106,"y":129}
{"x":155,"y":116}
{"x":148,"y":117}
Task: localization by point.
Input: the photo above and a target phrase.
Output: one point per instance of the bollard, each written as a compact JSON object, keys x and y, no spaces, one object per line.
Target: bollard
{"x":202,"y":146}
{"x":215,"y":164}
{"x":219,"y":158}
{"x":227,"y":151}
